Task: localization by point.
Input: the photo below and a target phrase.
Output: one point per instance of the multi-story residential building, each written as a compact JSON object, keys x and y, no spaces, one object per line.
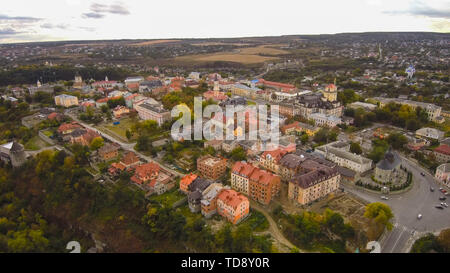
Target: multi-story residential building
{"x":209,"y":199}
{"x":270,"y":159}
{"x":430,"y":133}
{"x":290,"y":165}
{"x":345,"y":158}
{"x":263,"y":186}
{"x":315,"y":184}
{"x":66,"y":100}
{"x":232,"y":205}
{"x":211,"y":167}
{"x":147,"y":111}
{"x":443,"y":174}
{"x":433,"y":111}
{"x":442,"y":153}
{"x":195,"y":190}
{"x":323,"y":120}
{"x":240,"y":176}
{"x":133,"y":83}
{"x":363,"y":105}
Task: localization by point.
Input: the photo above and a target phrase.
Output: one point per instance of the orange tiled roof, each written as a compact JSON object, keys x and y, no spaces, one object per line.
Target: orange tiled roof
{"x":129,"y":158}
{"x":188,"y":179}
{"x":443,"y":149}
{"x":231,"y":198}
{"x":68,"y":126}
{"x":276,"y":154}
{"x":243,"y":168}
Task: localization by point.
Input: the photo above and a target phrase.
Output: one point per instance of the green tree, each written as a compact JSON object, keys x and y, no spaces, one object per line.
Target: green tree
{"x":380,"y":212}
{"x":97,"y":143}
{"x":355,"y":148}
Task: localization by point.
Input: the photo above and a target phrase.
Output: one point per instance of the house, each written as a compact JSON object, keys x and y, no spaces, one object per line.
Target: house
{"x":211,"y":167}
{"x":81,"y":136}
{"x":55,"y":116}
{"x":442,"y":153}
{"x":232,"y":205}
{"x":430,"y":133}
{"x":108,"y":151}
{"x":215,"y":96}
{"x":67,"y":128}
{"x":229,"y":145}
{"x":443,"y":174}
{"x":186,"y":181}
{"x":120,"y":110}
{"x":240,"y":176}
{"x":66,"y":100}
{"x":290,"y":165}
{"x":151,"y":177}
{"x":209,"y":199}
{"x":130,"y":159}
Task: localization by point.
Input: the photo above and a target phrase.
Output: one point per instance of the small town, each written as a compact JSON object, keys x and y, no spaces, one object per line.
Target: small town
{"x":361,"y":162}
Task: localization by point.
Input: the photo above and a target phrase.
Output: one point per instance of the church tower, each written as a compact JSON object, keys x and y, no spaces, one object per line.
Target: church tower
{"x":330,"y":92}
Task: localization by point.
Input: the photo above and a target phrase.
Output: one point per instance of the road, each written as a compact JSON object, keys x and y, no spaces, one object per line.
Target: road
{"x":123,"y":145}
{"x":273,"y":227}
{"x":406,"y":207}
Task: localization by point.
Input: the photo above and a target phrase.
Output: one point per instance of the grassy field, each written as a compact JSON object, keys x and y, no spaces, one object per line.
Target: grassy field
{"x":36,"y":143}
{"x":121,"y":128}
{"x":169,"y":198}
{"x":154,"y":42}
{"x":250,"y":55}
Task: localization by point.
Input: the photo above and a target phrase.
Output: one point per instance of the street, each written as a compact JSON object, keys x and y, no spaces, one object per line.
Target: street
{"x":407,"y":206}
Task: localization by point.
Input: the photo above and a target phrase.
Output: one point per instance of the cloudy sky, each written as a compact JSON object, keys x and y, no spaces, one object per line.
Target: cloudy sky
{"x":49,"y":20}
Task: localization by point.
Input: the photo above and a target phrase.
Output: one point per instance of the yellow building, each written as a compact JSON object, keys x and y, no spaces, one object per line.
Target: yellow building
{"x":330,"y":93}
{"x":66,"y":100}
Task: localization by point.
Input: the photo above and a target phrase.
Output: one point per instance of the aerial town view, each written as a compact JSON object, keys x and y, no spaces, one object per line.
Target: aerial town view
{"x":121,"y":133}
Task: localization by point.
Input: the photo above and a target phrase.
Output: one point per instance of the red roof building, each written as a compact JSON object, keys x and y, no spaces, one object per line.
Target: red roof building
{"x":232,"y":205}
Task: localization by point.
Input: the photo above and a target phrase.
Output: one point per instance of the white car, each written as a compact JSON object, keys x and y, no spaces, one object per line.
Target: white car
{"x":384,"y":197}
{"x":419,"y":216}
{"x":444,"y":205}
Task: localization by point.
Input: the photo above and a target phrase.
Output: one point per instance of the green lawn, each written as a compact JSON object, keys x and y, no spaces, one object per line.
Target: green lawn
{"x":121,"y":128}
{"x":169,"y":198}
{"x":257,"y":221}
{"x":36,"y":143}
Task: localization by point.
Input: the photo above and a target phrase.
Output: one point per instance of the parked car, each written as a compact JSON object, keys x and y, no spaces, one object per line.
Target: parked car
{"x":442,"y":198}
{"x":432,"y":189}
{"x":422,"y":174}
{"x":439,"y":207}
{"x":444,"y":205}
{"x":384,"y":197}
{"x":419,"y":216}
{"x":443,"y":191}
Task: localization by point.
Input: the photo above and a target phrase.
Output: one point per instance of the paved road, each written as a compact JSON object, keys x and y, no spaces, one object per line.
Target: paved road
{"x":125,"y":146}
{"x":273,"y":227}
{"x":406,"y":206}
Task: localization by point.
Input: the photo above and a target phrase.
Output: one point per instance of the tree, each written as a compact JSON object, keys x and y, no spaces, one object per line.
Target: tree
{"x":444,"y":240}
{"x":97,"y":143}
{"x":397,"y":140}
{"x":238,"y":154}
{"x":381,"y":213}
{"x":304,"y":138}
{"x":128,"y":134}
{"x":355,"y":148}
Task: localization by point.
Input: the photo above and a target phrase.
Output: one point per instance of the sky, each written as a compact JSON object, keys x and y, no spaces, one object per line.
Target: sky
{"x":55,"y":20}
